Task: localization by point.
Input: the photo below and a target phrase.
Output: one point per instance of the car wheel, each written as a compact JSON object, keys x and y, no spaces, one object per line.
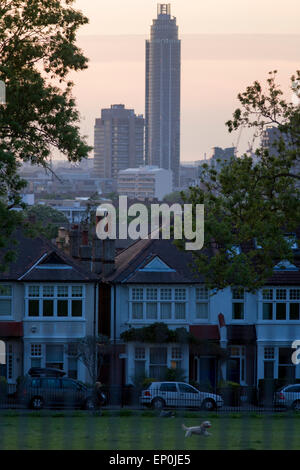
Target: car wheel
{"x":158,"y":403}
{"x":296,"y":405}
{"x":89,"y":404}
{"x":208,"y":405}
{"x":37,"y":403}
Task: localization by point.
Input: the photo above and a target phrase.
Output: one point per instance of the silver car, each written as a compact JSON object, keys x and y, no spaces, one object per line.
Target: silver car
{"x":179,"y":394}
{"x":288,"y":397}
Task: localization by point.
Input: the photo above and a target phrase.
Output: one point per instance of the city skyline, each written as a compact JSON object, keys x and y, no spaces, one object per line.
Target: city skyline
{"x":215,"y":68}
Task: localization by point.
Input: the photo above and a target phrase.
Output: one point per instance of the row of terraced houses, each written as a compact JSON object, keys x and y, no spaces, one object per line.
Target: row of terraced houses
{"x":50,"y":298}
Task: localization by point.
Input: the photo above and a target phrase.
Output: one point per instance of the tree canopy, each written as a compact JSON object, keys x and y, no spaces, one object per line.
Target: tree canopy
{"x":252,"y":203}
{"x":38,"y":50}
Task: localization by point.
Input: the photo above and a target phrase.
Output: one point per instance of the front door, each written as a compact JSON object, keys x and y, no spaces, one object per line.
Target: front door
{"x":207,"y":371}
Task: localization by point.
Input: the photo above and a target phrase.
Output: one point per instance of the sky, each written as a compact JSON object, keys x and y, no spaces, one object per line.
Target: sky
{"x":226,"y":45}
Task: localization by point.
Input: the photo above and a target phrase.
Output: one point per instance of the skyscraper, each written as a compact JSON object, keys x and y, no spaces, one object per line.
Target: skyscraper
{"x":162,"y":107}
{"x":118,"y":141}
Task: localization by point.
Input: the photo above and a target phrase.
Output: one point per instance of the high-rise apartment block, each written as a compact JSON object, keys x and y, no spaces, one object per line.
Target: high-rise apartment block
{"x":162,"y":107}
{"x":145,"y":182}
{"x":118,"y":141}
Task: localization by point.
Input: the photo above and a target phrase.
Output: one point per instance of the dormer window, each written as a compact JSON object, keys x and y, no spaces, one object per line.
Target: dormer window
{"x":234,"y":251}
{"x":291,"y":239}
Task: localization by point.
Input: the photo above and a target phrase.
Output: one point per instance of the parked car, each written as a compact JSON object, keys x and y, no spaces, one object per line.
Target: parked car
{"x":45,"y":372}
{"x":178,"y":394}
{"x":288,"y":397}
{"x":37,"y":392}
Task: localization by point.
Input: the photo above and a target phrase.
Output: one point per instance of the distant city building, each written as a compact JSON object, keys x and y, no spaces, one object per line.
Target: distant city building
{"x":188,"y":174}
{"x":223,"y":155}
{"x":118,"y":141}
{"x":270,"y":139}
{"x":145,"y":182}
{"x":162,"y":106}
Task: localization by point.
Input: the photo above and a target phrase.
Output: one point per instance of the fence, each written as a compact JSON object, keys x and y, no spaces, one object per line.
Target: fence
{"x":163,"y":396}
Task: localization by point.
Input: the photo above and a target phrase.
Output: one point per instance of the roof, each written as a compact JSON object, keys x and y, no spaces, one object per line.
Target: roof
{"x":286,"y":276}
{"x":130,"y":264}
{"x":40,"y":260}
{"x":241,"y":334}
{"x":205,"y":332}
{"x":11,"y":329}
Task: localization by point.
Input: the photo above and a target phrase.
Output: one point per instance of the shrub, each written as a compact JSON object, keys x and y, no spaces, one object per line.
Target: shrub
{"x":175,"y":375}
{"x":3,"y":386}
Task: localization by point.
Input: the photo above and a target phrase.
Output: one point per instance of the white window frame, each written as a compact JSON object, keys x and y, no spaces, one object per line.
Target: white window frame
{"x":8,"y":297}
{"x":206,"y":301}
{"x":242,"y":356}
{"x":238,"y":301}
{"x":158,"y":301}
{"x":55,"y":299}
{"x":274,"y":301}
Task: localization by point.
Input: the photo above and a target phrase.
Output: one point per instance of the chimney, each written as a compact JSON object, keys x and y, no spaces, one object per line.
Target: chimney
{"x":74,"y":241}
{"x":108,"y":260}
{"x":103,"y":250}
{"x":85,"y":251}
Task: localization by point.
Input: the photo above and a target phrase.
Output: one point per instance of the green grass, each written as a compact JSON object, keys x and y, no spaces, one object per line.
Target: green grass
{"x":57,"y":430}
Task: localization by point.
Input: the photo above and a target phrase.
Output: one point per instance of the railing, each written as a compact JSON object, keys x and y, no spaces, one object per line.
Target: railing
{"x":225,"y":400}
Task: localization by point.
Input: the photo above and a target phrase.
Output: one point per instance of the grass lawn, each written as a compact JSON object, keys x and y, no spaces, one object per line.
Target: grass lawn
{"x":57,"y":430}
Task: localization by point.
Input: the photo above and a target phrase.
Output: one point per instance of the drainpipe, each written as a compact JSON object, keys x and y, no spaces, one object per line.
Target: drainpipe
{"x":95,"y":308}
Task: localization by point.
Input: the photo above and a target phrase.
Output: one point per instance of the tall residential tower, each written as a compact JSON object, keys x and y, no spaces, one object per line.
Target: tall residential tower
{"x":118,"y":141}
{"x":162,"y":107}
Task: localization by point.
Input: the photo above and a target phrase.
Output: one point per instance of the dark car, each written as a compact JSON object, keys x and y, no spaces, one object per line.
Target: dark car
{"x":38,"y":392}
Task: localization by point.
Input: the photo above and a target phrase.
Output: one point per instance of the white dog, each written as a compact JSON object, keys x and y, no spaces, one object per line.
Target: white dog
{"x":200,"y":430}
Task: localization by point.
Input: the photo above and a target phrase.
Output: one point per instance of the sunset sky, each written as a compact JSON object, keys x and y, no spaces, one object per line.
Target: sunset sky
{"x":226,"y":45}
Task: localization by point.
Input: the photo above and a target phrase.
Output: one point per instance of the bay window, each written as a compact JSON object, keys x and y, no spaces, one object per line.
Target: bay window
{"x":52,"y":301}
{"x":280,"y":304}
{"x":154,"y":304}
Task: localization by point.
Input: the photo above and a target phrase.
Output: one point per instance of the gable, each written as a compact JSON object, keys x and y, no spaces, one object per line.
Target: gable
{"x":157,"y":265}
{"x":53,"y":261}
{"x":285,"y":266}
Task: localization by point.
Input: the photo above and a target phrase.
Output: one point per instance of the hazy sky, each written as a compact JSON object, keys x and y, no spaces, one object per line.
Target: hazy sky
{"x":194,"y":16}
{"x":226,"y":45}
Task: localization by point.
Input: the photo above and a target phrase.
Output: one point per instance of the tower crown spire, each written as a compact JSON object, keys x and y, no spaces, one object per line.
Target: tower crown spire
{"x":164,"y":9}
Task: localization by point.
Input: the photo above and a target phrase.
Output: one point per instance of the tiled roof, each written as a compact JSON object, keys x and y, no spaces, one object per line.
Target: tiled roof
{"x":205,"y":332}
{"x":241,"y":333}
{"x":130,"y":261}
{"x":10,"y":329}
{"x":31,"y":252}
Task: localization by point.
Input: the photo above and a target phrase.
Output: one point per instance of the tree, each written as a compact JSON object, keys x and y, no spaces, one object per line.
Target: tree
{"x":251,"y":204}
{"x":174,"y":197}
{"x":38,"y":50}
{"x":90,"y":351}
{"x":46,"y":220}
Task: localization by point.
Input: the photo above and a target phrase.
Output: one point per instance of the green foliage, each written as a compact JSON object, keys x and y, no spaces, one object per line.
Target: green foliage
{"x":157,"y":333}
{"x":38,"y":50}
{"x":3,"y":386}
{"x":251,"y":198}
{"x":228,"y":384}
{"x":174,"y":197}
{"x":175,"y":375}
{"x":47,"y":220}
